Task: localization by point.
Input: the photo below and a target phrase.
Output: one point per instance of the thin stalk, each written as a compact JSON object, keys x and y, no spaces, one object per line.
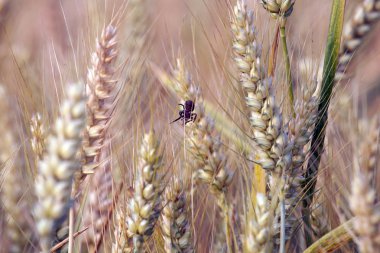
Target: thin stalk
{"x":227,"y":224}
{"x":287,"y":66}
{"x":72,"y":214}
{"x":329,"y":68}
{"x":282,"y":230}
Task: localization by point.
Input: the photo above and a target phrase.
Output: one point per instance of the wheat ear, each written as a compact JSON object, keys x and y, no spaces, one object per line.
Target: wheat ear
{"x":209,"y":158}
{"x":17,"y":232}
{"x":355,"y":31}
{"x":265,"y":117}
{"x":207,"y":155}
{"x":301,"y":129}
{"x":174,"y":220}
{"x":101,"y":104}
{"x":278,"y":9}
{"x":257,"y":226}
{"x":56,"y":169}
{"x":145,"y":205}
{"x":99,"y":206}
{"x":102,"y":98}
{"x":363,"y":196}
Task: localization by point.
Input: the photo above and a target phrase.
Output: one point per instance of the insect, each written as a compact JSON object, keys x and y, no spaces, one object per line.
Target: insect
{"x":187,"y":114}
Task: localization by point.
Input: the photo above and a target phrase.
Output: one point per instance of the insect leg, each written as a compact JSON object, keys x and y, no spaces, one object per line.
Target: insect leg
{"x":193,"y":116}
{"x":180,"y":117}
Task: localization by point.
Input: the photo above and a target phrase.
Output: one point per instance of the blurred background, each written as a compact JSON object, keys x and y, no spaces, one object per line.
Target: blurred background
{"x":46,"y":43}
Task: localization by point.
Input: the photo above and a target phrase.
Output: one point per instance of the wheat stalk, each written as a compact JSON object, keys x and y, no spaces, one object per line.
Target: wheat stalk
{"x":354,"y":33}
{"x":57,"y":168}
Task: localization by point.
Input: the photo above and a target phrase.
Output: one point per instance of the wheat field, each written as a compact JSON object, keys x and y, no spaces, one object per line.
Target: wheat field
{"x":189,"y":126}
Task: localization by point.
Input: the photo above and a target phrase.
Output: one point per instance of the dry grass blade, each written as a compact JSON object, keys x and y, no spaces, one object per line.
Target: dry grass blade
{"x":64,"y":241}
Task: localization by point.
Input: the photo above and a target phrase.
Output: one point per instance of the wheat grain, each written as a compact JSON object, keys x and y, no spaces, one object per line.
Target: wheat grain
{"x":278,"y":8}
{"x":38,"y":131}
{"x":257,"y":226}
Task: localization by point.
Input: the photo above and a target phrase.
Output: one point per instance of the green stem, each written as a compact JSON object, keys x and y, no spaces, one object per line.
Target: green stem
{"x":287,"y":66}
{"x":317,"y":142}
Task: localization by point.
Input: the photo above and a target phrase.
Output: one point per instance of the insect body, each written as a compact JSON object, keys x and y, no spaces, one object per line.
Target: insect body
{"x":187,"y":114}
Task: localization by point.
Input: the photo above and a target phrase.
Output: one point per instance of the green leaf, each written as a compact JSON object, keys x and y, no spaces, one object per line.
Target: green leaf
{"x":329,"y":69}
